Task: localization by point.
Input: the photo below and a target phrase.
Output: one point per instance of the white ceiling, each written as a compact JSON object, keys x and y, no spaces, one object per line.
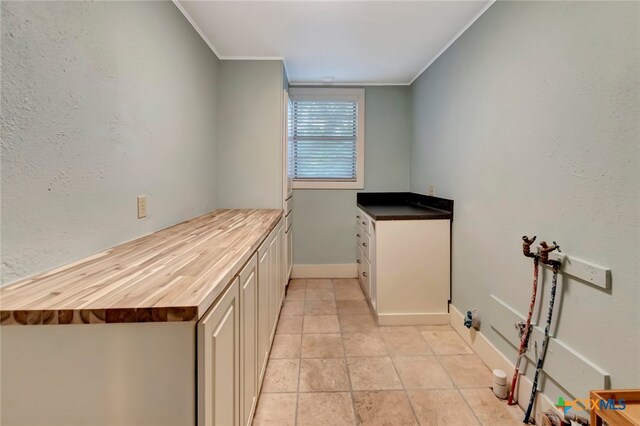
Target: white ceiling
{"x":355,"y":42}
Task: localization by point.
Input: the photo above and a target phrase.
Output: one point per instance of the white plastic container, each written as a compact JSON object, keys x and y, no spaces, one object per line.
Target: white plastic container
{"x":500,"y":384}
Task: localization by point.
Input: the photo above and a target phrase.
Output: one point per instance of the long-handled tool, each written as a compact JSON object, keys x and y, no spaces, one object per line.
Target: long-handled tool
{"x":544,"y":258}
{"x":524,"y":338}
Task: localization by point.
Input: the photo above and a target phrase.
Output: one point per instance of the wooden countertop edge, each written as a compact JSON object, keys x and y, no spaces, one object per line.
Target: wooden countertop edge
{"x":134,"y":315}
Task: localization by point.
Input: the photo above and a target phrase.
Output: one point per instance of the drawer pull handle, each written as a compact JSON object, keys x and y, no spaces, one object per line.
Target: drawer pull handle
{"x":364,"y":244}
{"x":364,"y":274}
{"x":358,"y":260}
{"x":364,"y":223}
{"x":358,"y":235}
{"x":358,"y":216}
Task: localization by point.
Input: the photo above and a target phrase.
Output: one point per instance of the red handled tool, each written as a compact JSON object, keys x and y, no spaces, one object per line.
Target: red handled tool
{"x":524,"y":338}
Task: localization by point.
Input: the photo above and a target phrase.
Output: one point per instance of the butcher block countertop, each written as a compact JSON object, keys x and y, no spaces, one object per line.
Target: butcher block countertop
{"x":174,"y":274}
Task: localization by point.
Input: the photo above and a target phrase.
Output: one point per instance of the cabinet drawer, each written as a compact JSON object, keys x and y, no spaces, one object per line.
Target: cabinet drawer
{"x":288,"y":221}
{"x":288,"y":205}
{"x":363,"y":220}
{"x":359,"y":262}
{"x":366,"y":245}
{"x":365,"y":276}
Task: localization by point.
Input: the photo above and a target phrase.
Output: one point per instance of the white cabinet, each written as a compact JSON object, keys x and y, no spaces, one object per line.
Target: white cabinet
{"x":273,"y":287}
{"x":289,"y":265}
{"x":249,"y":339}
{"x":270,"y":294}
{"x":277,"y":274}
{"x":364,"y":240}
{"x":288,"y":239}
{"x":264,"y":292}
{"x":282,"y":266}
{"x":404,"y":269}
{"x":218,"y":361}
{"x":163,"y":373}
{"x":235,"y":336}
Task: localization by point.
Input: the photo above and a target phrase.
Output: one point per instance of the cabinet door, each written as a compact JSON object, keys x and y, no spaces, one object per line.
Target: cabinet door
{"x":289,"y":254}
{"x":273,"y":286}
{"x":359,"y":264}
{"x":248,"y":339}
{"x":282,"y":265}
{"x":264,"y":292}
{"x":219,"y":361}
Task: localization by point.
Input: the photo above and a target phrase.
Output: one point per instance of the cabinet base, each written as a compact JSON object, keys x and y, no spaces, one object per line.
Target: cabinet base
{"x":413,"y":319}
{"x":339,"y":270}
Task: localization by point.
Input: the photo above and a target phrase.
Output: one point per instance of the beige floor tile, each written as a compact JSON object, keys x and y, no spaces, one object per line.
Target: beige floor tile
{"x":286,"y":346}
{"x":441,"y":408}
{"x":467,"y":371}
{"x":296,"y":284}
{"x":349,"y":293}
{"x":320,"y":307}
{"x":315,"y":324}
{"x":292,"y":307}
{"x":373,"y":374}
{"x":352,"y":306}
{"x":345,"y":283}
{"x":276,"y":409}
{"x":399,"y":329}
{"x":319,"y":294}
{"x":281,"y":376}
{"x":446,"y":342}
{"x":357,"y":323}
{"x":324,"y":374}
{"x":490,"y":410}
{"x":383,"y":408}
{"x":422,"y":372}
{"x":324,"y":409}
{"x":319,"y":283}
{"x":289,"y":325}
{"x":364,"y":344}
{"x":296,"y":294}
{"x":322,"y":346}
{"x":405,"y":341}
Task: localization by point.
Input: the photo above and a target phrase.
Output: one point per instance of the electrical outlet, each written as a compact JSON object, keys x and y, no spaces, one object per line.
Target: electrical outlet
{"x":142,"y":206}
{"x":432,"y":190}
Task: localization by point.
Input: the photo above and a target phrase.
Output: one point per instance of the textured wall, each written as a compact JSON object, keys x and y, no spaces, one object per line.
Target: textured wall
{"x":101,"y":102}
{"x":250,"y":134}
{"x":530,"y":123}
{"x":324,"y":219}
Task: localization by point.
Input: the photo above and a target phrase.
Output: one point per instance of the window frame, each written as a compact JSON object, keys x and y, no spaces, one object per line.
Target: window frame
{"x":358,"y":95}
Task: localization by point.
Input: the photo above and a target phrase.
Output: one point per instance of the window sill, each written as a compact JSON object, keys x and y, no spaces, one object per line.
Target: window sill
{"x":301,"y":184}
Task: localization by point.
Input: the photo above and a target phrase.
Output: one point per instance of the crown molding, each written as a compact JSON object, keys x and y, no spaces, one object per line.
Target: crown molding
{"x":196,"y":27}
{"x":346,"y":83}
{"x":448,"y":45}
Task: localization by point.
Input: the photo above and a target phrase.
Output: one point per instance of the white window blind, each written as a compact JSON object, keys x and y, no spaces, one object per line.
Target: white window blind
{"x":325,"y":140}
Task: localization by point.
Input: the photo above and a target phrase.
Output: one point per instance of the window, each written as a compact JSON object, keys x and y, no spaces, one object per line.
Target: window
{"x":326,"y":131}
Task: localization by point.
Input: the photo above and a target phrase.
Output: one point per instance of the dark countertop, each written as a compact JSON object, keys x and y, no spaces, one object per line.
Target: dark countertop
{"x":404,"y":206}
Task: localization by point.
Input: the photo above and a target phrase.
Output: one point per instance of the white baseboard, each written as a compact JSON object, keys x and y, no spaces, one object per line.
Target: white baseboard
{"x":337,"y":270}
{"x":491,"y":356}
{"x":413,"y":319}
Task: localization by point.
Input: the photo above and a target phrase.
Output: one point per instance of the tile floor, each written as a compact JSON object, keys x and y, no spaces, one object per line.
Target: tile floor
{"x":332,"y":365}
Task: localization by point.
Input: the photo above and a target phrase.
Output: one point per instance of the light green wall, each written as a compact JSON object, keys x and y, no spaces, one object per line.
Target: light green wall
{"x":101,"y":102}
{"x":529,"y":121}
{"x":324,"y":223}
{"x":249,"y":161}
